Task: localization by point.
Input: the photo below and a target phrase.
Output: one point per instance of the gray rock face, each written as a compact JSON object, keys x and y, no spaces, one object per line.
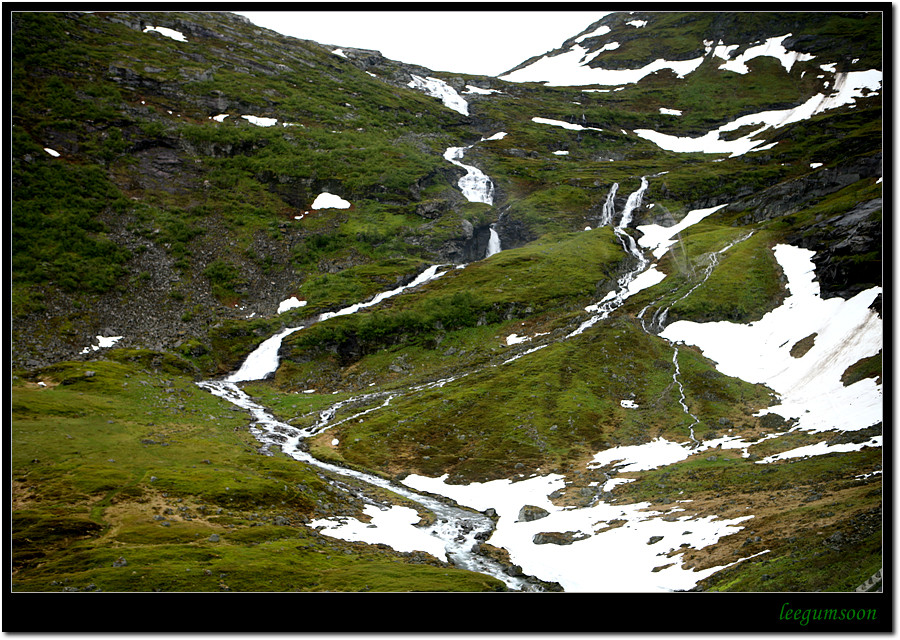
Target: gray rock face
{"x":530,"y":512}
{"x":556,"y":537}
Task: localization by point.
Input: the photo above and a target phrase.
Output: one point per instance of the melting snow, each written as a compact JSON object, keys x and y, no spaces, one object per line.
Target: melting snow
{"x":570,"y":69}
{"x":327,"y":200}
{"x":642,"y":457}
{"x":260,"y":122}
{"x":637,"y":24}
{"x":102,"y":343}
{"x":772,"y":47}
{"x":659,"y":239}
{"x":617,"y":559}
{"x":395,"y":526}
{"x":290,"y":303}
{"x":339,"y":52}
{"x":221,"y":117}
{"x":439,"y":89}
{"x":821,"y":448}
{"x":563,"y":124}
{"x":847,"y":88}
{"x":599,"y":31}
{"x":809,"y":387}
{"x":471,"y":88}
{"x":169,"y":33}
{"x":670,"y":112}
{"x":53,"y":153}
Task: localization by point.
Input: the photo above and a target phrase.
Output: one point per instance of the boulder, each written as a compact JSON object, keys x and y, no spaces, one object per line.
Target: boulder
{"x":560,"y":538}
{"x":530,"y":512}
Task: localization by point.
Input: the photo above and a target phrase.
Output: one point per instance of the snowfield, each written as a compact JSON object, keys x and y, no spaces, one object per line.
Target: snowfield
{"x":810,"y":387}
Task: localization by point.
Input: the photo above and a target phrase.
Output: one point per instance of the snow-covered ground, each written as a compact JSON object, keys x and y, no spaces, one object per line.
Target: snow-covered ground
{"x":571,"y":69}
{"x":846,"y":89}
{"x":621,"y":558}
{"x":169,"y":33}
{"x":772,"y":47}
{"x":327,"y":200}
{"x":658,"y":238}
{"x":102,"y":343}
{"x":810,"y":386}
{"x":563,"y":124}
{"x":290,"y":303}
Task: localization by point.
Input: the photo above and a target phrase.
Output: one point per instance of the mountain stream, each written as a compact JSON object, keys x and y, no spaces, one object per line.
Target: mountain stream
{"x":456,"y":531}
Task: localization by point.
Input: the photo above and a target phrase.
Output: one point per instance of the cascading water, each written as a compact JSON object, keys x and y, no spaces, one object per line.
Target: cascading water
{"x":459,"y":529}
{"x":493,"y":243}
{"x":475,"y":185}
{"x":657,"y":324}
{"x":609,"y":207}
{"x":616,"y":298}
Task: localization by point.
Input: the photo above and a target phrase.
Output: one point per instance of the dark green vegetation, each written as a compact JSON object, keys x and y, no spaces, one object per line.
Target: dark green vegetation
{"x":182,"y":233}
{"x":128,"y":458}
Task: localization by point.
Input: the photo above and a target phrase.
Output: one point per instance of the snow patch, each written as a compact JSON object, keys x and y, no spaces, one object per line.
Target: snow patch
{"x":809,"y":387}
{"x":169,"y":33}
{"x":471,"y":88}
{"x":102,"y":343}
{"x":327,"y":200}
{"x":260,"y":122}
{"x":847,"y":88}
{"x":772,"y":47}
{"x":563,"y":124}
{"x":290,"y":303}
{"x":599,"y":31}
{"x":620,"y":557}
{"x":570,"y":69}
{"x":658,"y":239}
{"x":395,"y":527}
{"x":53,"y":153}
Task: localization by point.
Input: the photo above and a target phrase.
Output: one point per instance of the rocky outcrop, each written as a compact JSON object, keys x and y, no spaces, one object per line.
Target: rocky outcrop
{"x":791,"y":196}
{"x":848,"y":249}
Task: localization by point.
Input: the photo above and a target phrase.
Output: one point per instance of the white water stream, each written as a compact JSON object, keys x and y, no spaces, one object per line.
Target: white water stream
{"x":616,"y":299}
{"x":475,"y":185}
{"x":455,"y":531}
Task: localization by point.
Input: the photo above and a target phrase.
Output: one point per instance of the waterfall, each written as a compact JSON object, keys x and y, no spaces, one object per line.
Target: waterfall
{"x":633,"y":202}
{"x":493,"y":243}
{"x":263,"y":361}
{"x":475,"y":185}
{"x":609,"y":207}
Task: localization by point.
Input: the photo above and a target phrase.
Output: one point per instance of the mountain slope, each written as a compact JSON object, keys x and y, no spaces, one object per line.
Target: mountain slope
{"x":187,"y":185}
